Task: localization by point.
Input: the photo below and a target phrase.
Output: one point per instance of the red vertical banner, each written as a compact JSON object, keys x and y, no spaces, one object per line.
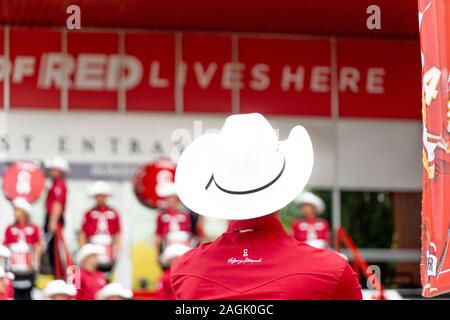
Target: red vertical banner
{"x":2,"y":67}
{"x":93,"y":67}
{"x":434,"y":21}
{"x":205,"y":72}
{"x":150,"y":71}
{"x":35,"y":57}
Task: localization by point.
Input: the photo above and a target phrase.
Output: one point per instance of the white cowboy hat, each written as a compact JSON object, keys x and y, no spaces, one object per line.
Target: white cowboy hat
{"x":59,"y":287}
{"x":58,"y":163}
{"x":100,"y":188}
{"x":88,"y":250}
{"x":173,"y":251}
{"x":244,"y":171}
{"x":4,"y":252}
{"x":114,"y":290}
{"x":311,"y":198}
{"x":22,"y":203}
{"x":166,"y":190}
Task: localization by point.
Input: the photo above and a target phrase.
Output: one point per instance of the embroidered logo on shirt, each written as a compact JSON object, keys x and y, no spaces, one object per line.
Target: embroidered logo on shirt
{"x":245,"y":259}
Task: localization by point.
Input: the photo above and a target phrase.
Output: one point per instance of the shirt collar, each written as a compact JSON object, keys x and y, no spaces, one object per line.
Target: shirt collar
{"x":265,"y":223}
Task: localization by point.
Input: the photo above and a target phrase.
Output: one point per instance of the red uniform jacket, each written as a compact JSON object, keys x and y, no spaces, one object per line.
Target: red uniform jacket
{"x":21,"y":239}
{"x":56,"y":193}
{"x":172,"y":220}
{"x":263,"y":264}
{"x":102,"y":220}
{"x":90,"y":284}
{"x":311,"y":229}
{"x":165,"y":291}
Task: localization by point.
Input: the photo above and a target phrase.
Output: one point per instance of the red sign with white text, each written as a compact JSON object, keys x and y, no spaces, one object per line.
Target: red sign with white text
{"x":215,"y":73}
{"x":28,"y":55}
{"x":207,"y":61}
{"x":150,"y":71}
{"x":379,"y":79}
{"x":285,"y":76}
{"x":93,"y":70}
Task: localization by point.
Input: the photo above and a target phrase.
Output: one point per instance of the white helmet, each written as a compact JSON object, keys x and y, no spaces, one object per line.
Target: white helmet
{"x":114,"y":290}
{"x":311,"y":198}
{"x":58,"y":163}
{"x":174,"y":251}
{"x":100,"y":188}
{"x":59,"y":287}
{"x":166,"y":190}
{"x":22,"y":203}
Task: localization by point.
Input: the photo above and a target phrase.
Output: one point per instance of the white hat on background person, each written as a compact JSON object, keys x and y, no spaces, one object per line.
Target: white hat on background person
{"x":100,"y":188}
{"x":58,"y":163}
{"x":312,"y":199}
{"x":173,"y":251}
{"x":114,"y":290}
{"x":86,"y":251}
{"x":244,"y":171}
{"x":167,"y":189}
{"x":59,"y":287}
{"x":22,"y":203}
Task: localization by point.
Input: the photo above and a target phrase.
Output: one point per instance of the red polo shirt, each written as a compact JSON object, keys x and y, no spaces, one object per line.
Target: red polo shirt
{"x":90,"y":284}
{"x":265,"y":263}
{"x":56,"y":193}
{"x":311,"y":229}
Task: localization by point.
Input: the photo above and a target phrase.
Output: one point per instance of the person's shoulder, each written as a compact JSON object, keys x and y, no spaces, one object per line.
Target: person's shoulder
{"x":327,"y":260}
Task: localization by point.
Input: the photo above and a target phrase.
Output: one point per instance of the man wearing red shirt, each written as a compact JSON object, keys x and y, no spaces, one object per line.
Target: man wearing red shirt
{"x":309,"y":228}
{"x":23,"y":239}
{"x":55,"y":204}
{"x":101,"y":226}
{"x":90,"y":281}
{"x":172,"y":220}
{"x":245,"y":174}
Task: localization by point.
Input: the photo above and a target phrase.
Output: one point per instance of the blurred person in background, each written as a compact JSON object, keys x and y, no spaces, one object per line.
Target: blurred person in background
{"x":173,"y":221}
{"x":55,"y":205}
{"x":168,"y":257}
{"x":3,"y":285}
{"x":246,"y":175}
{"x":90,"y":280}
{"x":309,"y":228}
{"x":114,"y":291}
{"x":59,"y":290}
{"x":101,"y":226}
{"x":23,"y":239}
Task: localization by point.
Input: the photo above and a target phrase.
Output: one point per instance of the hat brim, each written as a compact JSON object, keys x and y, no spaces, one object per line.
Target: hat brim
{"x":194,"y":170}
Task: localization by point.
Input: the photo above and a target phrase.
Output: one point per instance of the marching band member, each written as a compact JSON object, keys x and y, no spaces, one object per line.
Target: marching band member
{"x":246,"y":175}
{"x":168,"y":257}
{"x":114,"y":291}
{"x":23,"y":239}
{"x":59,"y":290}
{"x":101,"y":226}
{"x":55,"y":203}
{"x":90,"y":280}
{"x":309,"y":228}
{"x":7,"y":293}
{"x":172,"y":219}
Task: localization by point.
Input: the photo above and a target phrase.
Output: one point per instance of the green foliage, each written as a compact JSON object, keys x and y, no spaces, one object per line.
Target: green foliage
{"x":368,"y":218}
